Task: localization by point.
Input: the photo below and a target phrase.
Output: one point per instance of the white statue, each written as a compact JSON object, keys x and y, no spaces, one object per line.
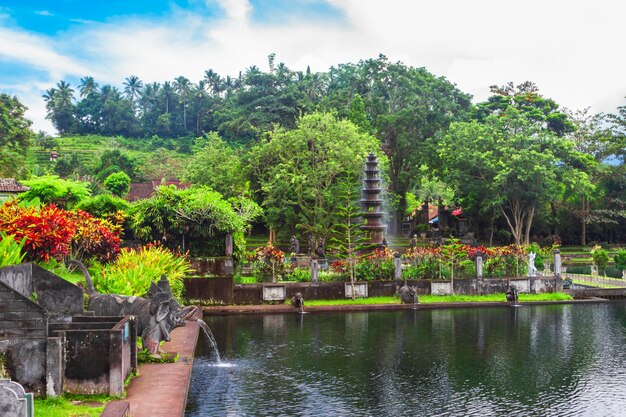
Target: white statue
{"x":532,"y":269}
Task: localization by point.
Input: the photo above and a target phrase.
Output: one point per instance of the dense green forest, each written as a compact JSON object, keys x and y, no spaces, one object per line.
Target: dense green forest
{"x":519,"y":164}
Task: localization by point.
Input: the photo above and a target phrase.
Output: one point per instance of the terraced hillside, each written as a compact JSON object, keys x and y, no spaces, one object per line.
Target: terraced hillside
{"x":87,"y":148}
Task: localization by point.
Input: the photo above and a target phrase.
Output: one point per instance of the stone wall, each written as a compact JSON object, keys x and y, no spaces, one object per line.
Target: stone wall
{"x":58,"y":297}
{"x":23,"y":332}
{"x":100,"y":353}
{"x":219,"y":289}
{"x":213,"y":290}
{"x":218,"y":266}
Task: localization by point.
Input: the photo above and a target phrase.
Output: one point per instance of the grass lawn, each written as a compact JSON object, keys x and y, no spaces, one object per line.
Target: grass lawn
{"x":71,"y":406}
{"x":430,"y":299}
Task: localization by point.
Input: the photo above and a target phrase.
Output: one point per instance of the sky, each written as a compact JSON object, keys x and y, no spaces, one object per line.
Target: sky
{"x":572,"y":49}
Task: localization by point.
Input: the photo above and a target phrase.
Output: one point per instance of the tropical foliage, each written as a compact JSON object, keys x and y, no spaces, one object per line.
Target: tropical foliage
{"x":268,"y":261}
{"x":11,"y":250}
{"x":117,"y":183}
{"x":299,"y":173}
{"x":195,"y":219}
{"x":48,"y":232}
{"x":518,"y":163}
{"x":15,"y":137}
{"x":135,"y":269}
{"x":51,"y":189}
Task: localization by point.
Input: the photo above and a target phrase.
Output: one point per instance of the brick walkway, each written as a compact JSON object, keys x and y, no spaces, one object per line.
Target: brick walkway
{"x":160,"y":390}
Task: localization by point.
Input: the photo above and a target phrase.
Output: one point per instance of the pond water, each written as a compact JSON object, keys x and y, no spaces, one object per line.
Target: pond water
{"x":556,"y":360}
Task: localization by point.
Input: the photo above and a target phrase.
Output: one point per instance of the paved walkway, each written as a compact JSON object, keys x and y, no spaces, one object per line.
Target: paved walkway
{"x":161,"y":389}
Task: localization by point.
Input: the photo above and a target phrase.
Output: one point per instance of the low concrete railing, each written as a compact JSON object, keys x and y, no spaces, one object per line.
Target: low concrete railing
{"x":596,"y":280}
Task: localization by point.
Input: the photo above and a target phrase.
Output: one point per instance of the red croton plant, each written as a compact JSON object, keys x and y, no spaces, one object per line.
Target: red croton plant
{"x":51,"y":232}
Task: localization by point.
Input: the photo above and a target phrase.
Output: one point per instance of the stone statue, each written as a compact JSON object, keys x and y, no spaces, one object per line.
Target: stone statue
{"x":157,"y":315}
{"x":407,"y":294}
{"x":321,"y":247}
{"x":312,"y":241}
{"x":297,"y":301}
{"x":512,"y":295}
{"x":532,"y":269}
{"x":413,"y":242}
{"x":294,"y":246}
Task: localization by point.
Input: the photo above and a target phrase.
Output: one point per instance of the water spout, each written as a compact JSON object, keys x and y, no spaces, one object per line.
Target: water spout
{"x":210,"y":339}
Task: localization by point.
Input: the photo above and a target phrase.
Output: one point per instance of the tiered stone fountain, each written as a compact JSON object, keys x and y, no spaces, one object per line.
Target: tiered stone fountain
{"x":372,"y":203}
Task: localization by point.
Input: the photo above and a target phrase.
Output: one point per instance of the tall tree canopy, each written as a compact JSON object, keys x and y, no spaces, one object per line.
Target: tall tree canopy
{"x":406,"y":107}
{"x":526,"y":99}
{"x":298,"y":173}
{"x":510,"y":164}
{"x":217,"y":165}
{"x":15,"y":136}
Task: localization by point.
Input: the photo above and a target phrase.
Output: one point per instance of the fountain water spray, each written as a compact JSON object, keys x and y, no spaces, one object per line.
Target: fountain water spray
{"x":210,"y":339}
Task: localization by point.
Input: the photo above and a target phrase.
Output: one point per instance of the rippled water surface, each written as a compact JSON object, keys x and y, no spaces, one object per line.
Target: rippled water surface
{"x":557,"y":360}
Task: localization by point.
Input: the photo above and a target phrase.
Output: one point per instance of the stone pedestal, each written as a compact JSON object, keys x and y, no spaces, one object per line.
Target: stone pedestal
{"x":228,"y":244}
{"x":315,"y":266}
{"x":397,"y":263}
{"x":557,"y":262}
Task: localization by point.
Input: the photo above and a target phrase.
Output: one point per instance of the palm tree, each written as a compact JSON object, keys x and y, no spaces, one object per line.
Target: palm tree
{"x":214,"y":82}
{"x":60,"y":106}
{"x":199,"y":99}
{"x":48,"y":97}
{"x":132,"y":87}
{"x":182,"y":86}
{"x":148,"y":97}
{"x":64,"y":95}
{"x":87,"y":86}
{"x":168,"y":93}
{"x":108,"y":92}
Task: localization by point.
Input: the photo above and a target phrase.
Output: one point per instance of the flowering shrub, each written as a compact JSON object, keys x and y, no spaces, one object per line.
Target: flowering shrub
{"x":437,"y":262}
{"x":51,"y":233}
{"x":47,"y":230}
{"x":376,"y":265}
{"x":423,"y":263}
{"x":268,"y":261}
{"x":94,"y":237}
{"x":340,"y":266}
{"x":505,"y":261}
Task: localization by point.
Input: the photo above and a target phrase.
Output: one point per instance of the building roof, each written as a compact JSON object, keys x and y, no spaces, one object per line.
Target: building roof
{"x":144,"y":190}
{"x":11,"y":185}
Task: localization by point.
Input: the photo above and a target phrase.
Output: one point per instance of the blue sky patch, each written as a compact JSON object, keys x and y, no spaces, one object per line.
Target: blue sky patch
{"x":50,"y":17}
{"x":275,"y":11}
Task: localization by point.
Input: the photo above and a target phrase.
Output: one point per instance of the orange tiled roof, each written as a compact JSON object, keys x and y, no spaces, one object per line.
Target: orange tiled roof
{"x":11,"y":185}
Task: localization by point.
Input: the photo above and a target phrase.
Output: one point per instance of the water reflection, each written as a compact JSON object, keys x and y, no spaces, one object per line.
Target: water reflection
{"x":557,"y":360}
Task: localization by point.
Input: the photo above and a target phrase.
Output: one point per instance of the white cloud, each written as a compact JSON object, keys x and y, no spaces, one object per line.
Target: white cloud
{"x":37,"y":52}
{"x":570,"y":49}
